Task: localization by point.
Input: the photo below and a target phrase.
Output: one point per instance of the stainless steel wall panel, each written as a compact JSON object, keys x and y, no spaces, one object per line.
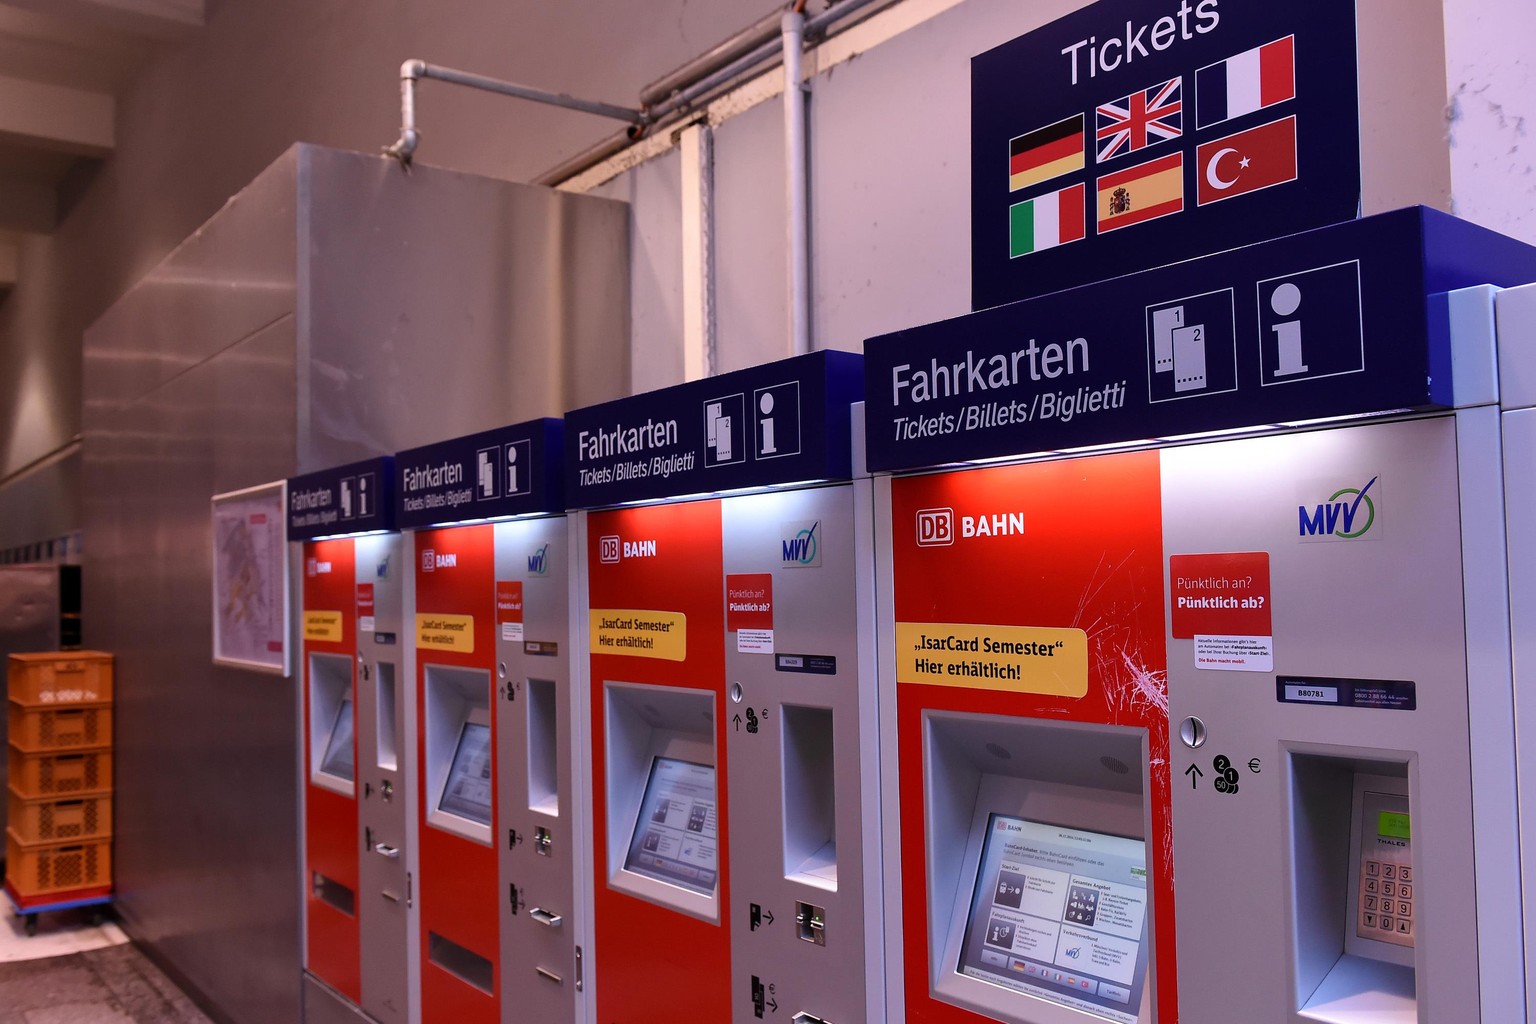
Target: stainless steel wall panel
{"x":205,"y":809}
{"x":232,"y":277}
{"x":483,"y":302}
{"x":415,"y":307}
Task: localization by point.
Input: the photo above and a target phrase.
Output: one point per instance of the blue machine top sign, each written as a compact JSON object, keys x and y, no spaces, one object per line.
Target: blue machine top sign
{"x":1331,"y":322}
{"x":1137,"y":133}
{"x":509,"y":471}
{"x":354,"y":498}
{"x":779,"y":423}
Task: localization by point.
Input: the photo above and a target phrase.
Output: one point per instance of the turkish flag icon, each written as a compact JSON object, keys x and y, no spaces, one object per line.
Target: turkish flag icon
{"x":1247,"y":161}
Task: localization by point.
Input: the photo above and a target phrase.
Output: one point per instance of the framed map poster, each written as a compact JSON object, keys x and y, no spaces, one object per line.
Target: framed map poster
{"x":250,"y":579}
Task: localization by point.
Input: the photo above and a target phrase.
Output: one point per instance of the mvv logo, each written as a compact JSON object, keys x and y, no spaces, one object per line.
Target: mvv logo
{"x":800,"y":544}
{"x":1349,"y":512}
{"x":538,"y":562}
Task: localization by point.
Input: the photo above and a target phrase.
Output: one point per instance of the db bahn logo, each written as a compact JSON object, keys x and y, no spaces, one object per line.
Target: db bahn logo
{"x":608,"y":549}
{"x":935,"y":527}
{"x":428,"y":560}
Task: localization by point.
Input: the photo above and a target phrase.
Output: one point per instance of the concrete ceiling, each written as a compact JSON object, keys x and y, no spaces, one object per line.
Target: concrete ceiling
{"x":62,"y":65}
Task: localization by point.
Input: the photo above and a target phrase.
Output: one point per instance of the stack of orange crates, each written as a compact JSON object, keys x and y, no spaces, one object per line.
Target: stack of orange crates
{"x":58,"y":840}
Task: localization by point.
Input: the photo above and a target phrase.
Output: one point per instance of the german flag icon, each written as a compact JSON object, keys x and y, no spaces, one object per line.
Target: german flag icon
{"x":1045,"y":153}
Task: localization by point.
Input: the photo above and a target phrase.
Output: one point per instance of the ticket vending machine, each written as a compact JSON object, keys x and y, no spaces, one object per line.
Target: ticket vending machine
{"x":500,"y":822}
{"x":735,"y":868}
{"x":356,"y":827}
{"x":1516,"y":327}
{"x":1274,"y":667}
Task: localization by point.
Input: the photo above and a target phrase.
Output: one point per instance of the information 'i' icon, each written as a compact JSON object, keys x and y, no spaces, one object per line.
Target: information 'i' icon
{"x":766,"y":405}
{"x":1285,"y":300}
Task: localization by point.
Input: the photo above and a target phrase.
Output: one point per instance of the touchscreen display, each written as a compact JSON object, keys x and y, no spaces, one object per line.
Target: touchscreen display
{"x":1060,"y":914}
{"x":338,"y":759}
{"x":468,"y":792}
{"x":676,"y":838}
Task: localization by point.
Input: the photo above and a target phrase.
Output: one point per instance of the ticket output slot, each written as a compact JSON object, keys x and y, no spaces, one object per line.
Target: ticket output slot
{"x":334,"y":893}
{"x":465,"y":964}
{"x":543,"y":748}
{"x":1040,"y":911}
{"x":385,"y":708}
{"x":331,"y":748}
{"x":1347,"y":815}
{"x":810,"y":806}
{"x":458,"y":735}
{"x":663,"y":829}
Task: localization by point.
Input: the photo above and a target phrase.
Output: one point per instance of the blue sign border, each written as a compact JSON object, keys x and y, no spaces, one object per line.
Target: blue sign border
{"x":692,"y":438}
{"x":494,"y":474}
{"x":1082,"y":367}
{"x":315,"y":504}
{"x":1110,"y":59}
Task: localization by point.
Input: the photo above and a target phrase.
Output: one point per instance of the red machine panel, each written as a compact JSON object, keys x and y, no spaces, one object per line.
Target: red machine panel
{"x":454,"y":623}
{"x":655,"y":963}
{"x":330,"y":817}
{"x":1065,"y":556}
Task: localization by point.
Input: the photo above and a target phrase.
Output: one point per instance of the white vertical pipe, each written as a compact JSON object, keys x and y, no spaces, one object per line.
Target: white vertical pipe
{"x":796,"y":174}
{"x":696,"y":148}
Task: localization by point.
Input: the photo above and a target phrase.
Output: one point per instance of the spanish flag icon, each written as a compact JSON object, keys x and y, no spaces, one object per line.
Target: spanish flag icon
{"x":1141,"y":193}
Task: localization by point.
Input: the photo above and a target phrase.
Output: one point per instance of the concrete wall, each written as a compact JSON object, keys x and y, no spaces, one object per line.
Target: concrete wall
{"x":1491,"y":112}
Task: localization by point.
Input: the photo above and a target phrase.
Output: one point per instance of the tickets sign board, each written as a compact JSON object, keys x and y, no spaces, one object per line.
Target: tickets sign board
{"x":1130,"y":135}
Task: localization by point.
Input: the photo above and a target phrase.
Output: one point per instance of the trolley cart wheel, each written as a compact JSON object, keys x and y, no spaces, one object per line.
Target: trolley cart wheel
{"x":31,"y":925}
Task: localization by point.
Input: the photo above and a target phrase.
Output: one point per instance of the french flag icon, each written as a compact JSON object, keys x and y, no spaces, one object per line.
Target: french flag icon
{"x":1251,"y":80}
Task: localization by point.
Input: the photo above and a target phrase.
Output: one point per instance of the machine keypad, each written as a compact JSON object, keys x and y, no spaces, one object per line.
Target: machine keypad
{"x":1386,"y":902}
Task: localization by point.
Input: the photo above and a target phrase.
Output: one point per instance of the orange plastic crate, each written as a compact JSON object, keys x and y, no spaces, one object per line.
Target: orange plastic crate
{"x":38,"y":728}
{"x":47,"y":775}
{"x":53,"y":820}
{"x":39,"y":869}
{"x":60,"y":677}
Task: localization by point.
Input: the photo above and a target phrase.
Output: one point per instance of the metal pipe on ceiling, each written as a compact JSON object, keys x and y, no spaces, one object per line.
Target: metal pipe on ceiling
{"x":748,"y":39}
{"x":797,"y":175}
{"x":686,"y":95}
{"x":413,"y":71}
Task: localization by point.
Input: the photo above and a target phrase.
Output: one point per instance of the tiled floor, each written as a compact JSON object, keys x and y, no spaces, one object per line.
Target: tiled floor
{"x":74,"y":973}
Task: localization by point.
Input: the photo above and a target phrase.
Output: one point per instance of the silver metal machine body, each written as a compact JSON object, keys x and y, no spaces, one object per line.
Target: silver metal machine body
{"x":542,"y":832}
{"x":384,"y":755}
{"x":803,"y":786}
{"x":1344,"y":808}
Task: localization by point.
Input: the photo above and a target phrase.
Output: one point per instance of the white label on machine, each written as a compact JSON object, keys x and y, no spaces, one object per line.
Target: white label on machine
{"x":512,"y":631}
{"x":1235,"y":653}
{"x":754,"y":641}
